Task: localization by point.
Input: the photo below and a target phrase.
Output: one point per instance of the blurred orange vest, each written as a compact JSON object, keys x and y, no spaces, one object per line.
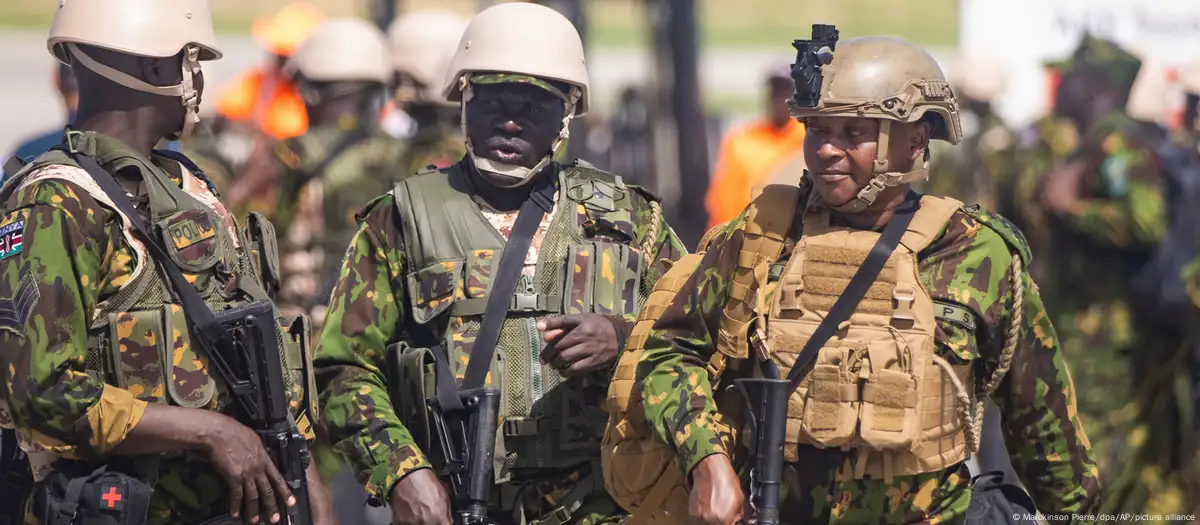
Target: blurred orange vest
{"x":749,"y":157}
{"x":272,"y":103}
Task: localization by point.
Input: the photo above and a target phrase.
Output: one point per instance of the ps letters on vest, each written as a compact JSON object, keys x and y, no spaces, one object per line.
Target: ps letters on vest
{"x":11,"y":238}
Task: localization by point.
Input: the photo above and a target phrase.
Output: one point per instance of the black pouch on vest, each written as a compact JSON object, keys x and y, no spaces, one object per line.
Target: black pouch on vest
{"x":100,"y":497}
{"x":994,"y":502}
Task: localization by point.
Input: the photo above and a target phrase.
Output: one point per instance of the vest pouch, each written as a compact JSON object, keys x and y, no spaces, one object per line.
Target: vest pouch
{"x":188,"y":382}
{"x":607,"y":276}
{"x":136,"y":345}
{"x":77,"y":495}
{"x":263,"y":250}
{"x":891,"y":395}
{"x":194,"y":244}
{"x":412,"y":379}
{"x":434,"y":288}
{"x":298,"y":350}
{"x":831,"y":397}
{"x":578,"y":291}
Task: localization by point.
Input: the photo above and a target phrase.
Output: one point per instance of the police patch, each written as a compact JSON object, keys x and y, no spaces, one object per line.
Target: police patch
{"x":12,"y":238}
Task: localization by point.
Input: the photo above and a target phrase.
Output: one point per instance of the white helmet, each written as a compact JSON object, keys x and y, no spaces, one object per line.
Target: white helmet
{"x":979,"y":77}
{"x":423,"y":43}
{"x":150,"y":28}
{"x":343,"y":49}
{"x":521,"y":39}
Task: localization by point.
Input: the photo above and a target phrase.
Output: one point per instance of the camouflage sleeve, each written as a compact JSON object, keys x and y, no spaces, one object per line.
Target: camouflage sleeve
{"x":657,"y":240}
{"x":679,"y":402}
{"x":365,"y":315}
{"x":1134,"y":214}
{"x":50,"y":274}
{"x":1044,"y":435}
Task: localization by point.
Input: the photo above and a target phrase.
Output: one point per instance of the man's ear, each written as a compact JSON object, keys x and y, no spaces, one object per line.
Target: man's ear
{"x":918,"y":142}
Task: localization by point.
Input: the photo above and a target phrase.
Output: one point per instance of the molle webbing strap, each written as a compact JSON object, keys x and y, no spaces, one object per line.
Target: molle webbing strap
{"x":768,"y":222}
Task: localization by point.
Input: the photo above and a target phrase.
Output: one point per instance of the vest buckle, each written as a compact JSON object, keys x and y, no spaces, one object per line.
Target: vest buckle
{"x":525,"y":302}
{"x":905,"y":296}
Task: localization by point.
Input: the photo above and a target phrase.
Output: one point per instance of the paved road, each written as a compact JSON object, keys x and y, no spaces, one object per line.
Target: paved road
{"x":29,"y":105}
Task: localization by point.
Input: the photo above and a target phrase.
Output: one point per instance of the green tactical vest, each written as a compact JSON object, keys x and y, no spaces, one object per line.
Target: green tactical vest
{"x":587,"y":263}
{"x":139,"y":338}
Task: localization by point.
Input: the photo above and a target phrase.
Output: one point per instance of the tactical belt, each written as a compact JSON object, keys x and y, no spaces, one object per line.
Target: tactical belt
{"x":499,"y":298}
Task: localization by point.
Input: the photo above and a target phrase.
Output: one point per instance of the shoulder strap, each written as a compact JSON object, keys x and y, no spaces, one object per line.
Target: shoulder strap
{"x":929,"y":221}
{"x":499,"y":296}
{"x":211,"y":334}
{"x":191,"y":166}
{"x":768,"y":221}
{"x":848,"y":301}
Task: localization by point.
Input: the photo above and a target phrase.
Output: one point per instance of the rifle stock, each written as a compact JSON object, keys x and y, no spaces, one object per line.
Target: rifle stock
{"x":766,"y":400}
{"x":258,"y":382}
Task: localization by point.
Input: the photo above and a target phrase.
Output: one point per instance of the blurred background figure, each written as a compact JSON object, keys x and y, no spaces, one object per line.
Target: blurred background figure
{"x":423,"y":42}
{"x":968,"y":172}
{"x":751,"y":154}
{"x":264,"y":97}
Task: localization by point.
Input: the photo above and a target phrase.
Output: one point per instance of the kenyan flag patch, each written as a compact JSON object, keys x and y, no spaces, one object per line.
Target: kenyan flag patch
{"x":12,"y":238}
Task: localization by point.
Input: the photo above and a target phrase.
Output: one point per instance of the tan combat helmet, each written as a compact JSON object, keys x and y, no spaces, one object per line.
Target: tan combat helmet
{"x":521,"y":39}
{"x":888,"y":79}
{"x":423,"y":42}
{"x":341,"y":50}
{"x":151,"y":28}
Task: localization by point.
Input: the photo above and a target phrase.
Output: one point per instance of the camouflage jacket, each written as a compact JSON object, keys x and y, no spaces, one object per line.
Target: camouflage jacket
{"x":63,"y":258}
{"x":968,"y":265}
{"x":317,"y":201}
{"x":371,"y":308}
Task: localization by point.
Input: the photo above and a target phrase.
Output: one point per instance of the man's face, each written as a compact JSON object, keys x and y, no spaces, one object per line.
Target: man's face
{"x":513,"y":123}
{"x":840,"y":153}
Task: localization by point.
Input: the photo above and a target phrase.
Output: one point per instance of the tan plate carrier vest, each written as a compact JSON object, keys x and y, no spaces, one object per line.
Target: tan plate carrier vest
{"x":870,"y":381}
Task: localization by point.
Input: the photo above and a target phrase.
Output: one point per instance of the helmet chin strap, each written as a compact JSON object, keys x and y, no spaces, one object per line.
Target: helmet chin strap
{"x":883,"y":178}
{"x":185,"y":90}
{"x":519,"y":174}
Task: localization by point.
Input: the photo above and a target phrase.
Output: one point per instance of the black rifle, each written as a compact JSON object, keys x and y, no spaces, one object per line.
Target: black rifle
{"x":243,"y":346}
{"x":467,"y":437}
{"x":767,"y":398}
{"x":810,"y":56}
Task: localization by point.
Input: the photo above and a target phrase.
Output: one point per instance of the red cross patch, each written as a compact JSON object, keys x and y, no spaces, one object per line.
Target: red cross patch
{"x":111,"y":497}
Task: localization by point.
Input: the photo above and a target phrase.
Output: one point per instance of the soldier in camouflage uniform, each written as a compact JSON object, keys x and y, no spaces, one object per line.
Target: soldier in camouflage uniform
{"x":1104,"y":213}
{"x":963,"y":288}
{"x":100,"y":366}
{"x":423,"y":42}
{"x":342,"y":162}
{"x":420,"y":267}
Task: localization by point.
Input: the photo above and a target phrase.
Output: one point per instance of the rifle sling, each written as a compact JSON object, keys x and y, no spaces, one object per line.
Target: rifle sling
{"x":211,"y":335}
{"x":500,"y":293}
{"x":862,"y":280}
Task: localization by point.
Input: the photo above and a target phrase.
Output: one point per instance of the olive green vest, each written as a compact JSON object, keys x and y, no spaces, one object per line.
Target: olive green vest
{"x":587,"y":263}
{"x":139,"y":338}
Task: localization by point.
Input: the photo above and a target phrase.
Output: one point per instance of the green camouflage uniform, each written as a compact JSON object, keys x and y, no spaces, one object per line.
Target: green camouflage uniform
{"x":968,"y":266}
{"x":316,"y":211}
{"x":63,"y":261}
{"x":383,"y":297}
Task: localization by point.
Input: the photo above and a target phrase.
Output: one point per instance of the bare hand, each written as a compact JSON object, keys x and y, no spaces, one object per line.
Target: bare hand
{"x":420,"y":499}
{"x":579,"y":343}
{"x":716,"y":497}
{"x":1061,"y":189}
{"x":238,"y":456}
